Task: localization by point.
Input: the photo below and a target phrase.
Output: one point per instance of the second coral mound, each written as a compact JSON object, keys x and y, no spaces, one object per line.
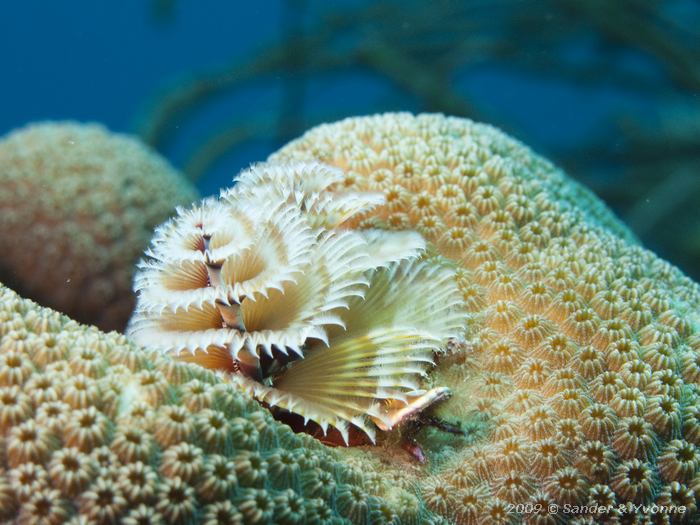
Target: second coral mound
{"x":77,"y":206}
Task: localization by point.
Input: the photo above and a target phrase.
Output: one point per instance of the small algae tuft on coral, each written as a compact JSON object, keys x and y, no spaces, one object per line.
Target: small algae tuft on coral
{"x":77,"y":206}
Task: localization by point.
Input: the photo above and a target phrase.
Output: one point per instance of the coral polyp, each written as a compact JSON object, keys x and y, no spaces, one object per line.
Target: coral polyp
{"x":267,"y":283}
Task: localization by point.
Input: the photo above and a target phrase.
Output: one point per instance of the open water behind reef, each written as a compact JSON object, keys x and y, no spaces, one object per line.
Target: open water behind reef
{"x":610,"y":92}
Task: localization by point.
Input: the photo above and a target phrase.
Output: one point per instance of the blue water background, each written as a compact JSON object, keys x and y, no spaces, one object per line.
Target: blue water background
{"x":111,"y":61}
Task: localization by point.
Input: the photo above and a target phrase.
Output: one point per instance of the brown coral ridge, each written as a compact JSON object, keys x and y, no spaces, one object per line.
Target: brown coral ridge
{"x":96,"y":430}
{"x":579,"y":378}
{"x":78,"y":205}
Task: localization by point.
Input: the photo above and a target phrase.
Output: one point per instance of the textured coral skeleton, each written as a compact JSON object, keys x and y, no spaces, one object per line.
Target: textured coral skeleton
{"x":576,"y":381}
{"x":331,"y":324}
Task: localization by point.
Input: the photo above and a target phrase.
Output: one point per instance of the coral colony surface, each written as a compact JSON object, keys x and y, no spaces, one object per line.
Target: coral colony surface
{"x":78,"y":205}
{"x":97,"y":430}
{"x":393,"y":283}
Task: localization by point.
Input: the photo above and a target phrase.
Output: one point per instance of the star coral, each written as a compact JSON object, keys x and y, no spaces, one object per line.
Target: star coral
{"x":551,"y":413}
{"x":138,"y":458}
{"x":78,"y":205}
{"x":575,"y":332}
